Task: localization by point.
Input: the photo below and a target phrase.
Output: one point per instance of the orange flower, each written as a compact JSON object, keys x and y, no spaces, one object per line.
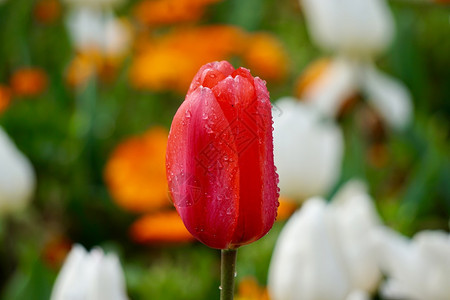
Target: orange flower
{"x":47,"y":11}
{"x":28,"y":82}
{"x":311,"y":74}
{"x":162,"y":12}
{"x":136,"y":174}
{"x":162,"y":227}
{"x":266,"y":57}
{"x":249,"y":289}
{"x":5,"y":98}
{"x":286,"y":209}
{"x":172,"y":60}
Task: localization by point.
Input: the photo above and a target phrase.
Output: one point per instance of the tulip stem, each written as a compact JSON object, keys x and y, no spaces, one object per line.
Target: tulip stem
{"x":227,"y":274}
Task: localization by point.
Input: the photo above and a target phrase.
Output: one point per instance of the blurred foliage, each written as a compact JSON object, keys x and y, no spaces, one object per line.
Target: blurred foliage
{"x":69,"y":133}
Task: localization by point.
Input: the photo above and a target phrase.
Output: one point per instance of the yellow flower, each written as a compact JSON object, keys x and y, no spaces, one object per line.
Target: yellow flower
{"x":28,"y":82}
{"x":135,"y":172}
{"x":161,"y":227}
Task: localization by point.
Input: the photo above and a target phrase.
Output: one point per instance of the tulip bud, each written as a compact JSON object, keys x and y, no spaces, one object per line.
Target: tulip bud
{"x":90,"y":275}
{"x":308,"y":150}
{"x":219,"y":160}
{"x":355,"y":27}
{"x":325,"y":251}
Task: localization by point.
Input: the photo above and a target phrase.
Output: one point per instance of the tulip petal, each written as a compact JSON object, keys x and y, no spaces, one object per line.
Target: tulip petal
{"x":362,"y":27}
{"x":389,"y":96}
{"x":250,"y":119}
{"x":204,"y":190}
{"x":308,"y":150}
{"x":223,"y":67}
{"x":17,"y":178}
{"x":306,"y":263}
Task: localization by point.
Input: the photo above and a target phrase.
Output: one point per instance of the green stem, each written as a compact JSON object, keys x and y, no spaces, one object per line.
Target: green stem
{"x":227,"y":274}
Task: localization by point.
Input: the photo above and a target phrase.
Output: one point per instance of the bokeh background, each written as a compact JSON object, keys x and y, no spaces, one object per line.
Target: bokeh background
{"x":88,"y":90}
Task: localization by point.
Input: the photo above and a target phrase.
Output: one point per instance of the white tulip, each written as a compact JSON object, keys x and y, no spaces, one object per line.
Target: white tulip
{"x":99,"y":30}
{"x":388,"y":96}
{"x":17,"y":179}
{"x":357,"y":27}
{"x":307,"y":150}
{"x":90,"y":276}
{"x":417,"y":269}
{"x":324,"y":252}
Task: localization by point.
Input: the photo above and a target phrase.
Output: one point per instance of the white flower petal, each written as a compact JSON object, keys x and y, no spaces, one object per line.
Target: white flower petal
{"x":388,"y":96}
{"x":356,"y":27}
{"x":352,"y":205}
{"x":325,"y":251}
{"x":417,"y":268}
{"x":17,"y":179}
{"x":98,"y":30}
{"x":305,"y":264}
{"x":110,"y":283}
{"x":307,"y":150}
{"x":90,"y":276}
{"x":69,"y":274}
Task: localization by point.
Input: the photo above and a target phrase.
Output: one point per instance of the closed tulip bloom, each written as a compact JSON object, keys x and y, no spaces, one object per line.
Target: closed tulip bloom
{"x":219,"y":158}
{"x":90,"y":276}
{"x":325,"y":251}
{"x":17,"y":178}
{"x":308,"y":151}
{"x":417,"y":268}
{"x":97,"y":30}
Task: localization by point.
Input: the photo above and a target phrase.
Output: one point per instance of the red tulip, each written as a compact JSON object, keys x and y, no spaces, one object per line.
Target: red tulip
{"x":219,"y":160}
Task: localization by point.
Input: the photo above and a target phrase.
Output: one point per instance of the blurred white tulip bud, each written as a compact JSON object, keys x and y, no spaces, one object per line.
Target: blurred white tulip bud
{"x":90,"y":276}
{"x":355,"y":27}
{"x":17,"y":178}
{"x":416,"y":269}
{"x":308,"y":150}
{"x":97,"y":30}
{"x":325,"y":252}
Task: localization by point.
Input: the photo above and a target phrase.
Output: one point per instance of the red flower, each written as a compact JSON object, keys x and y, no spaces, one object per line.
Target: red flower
{"x":219,"y":159}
